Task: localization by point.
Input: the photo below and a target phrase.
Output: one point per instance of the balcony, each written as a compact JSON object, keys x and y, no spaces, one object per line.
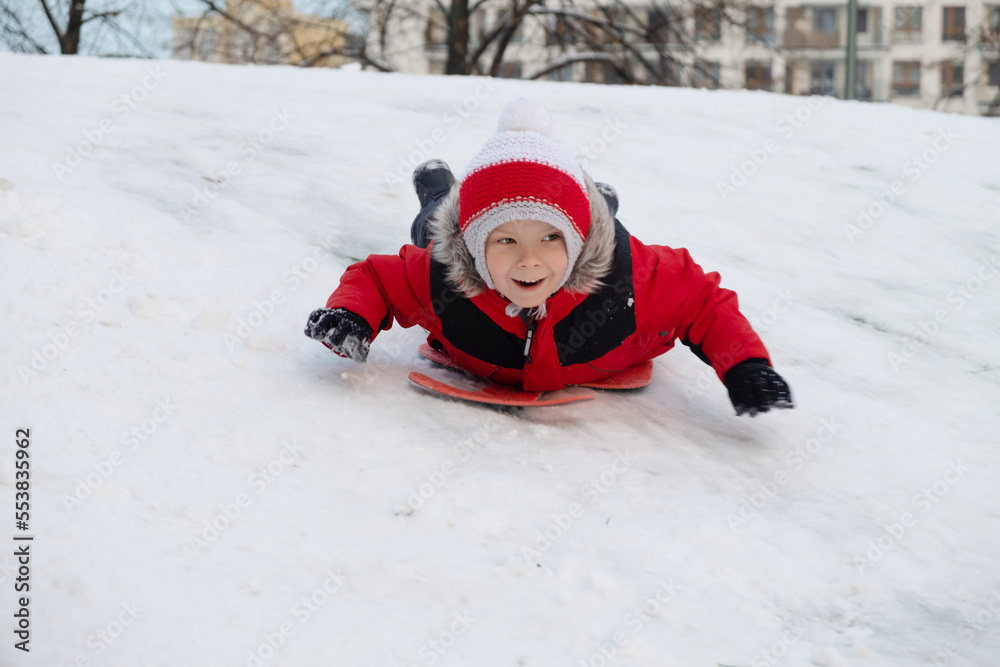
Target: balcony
{"x":800,"y":39}
{"x":813,"y":27}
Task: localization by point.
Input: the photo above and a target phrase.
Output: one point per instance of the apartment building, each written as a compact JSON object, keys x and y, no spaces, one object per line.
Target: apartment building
{"x":267,"y":32}
{"x":943,"y":55}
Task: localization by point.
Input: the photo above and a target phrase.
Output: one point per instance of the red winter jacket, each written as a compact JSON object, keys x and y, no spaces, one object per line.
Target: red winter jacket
{"x":651,"y":297}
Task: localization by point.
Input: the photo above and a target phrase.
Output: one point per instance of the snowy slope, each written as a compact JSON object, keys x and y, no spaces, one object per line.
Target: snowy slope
{"x":152,"y":311}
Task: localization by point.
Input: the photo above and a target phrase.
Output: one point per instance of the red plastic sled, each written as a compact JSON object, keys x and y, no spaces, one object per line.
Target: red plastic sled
{"x":499,"y":394}
{"x":634,"y":377}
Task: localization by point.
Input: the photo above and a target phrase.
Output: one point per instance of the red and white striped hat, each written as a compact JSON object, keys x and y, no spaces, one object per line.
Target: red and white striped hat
{"x":522,"y":174}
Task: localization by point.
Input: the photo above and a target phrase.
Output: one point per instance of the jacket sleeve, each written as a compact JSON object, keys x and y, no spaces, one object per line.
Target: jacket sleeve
{"x":385,"y":288}
{"x":674,"y":296}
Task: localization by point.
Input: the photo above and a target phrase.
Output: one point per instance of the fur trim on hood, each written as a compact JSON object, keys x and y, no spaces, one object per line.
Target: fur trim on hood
{"x":593,"y":264}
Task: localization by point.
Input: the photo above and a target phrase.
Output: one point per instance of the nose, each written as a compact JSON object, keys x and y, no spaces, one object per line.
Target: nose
{"x":529,"y":258}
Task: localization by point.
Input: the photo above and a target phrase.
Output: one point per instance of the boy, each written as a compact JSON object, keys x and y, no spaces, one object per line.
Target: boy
{"x":522,"y":275}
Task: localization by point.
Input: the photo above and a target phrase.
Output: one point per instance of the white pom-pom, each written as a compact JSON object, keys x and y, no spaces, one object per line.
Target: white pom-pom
{"x":524,"y":114}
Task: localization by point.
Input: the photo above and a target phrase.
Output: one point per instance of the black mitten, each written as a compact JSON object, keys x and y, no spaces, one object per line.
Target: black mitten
{"x":344,"y":332}
{"x":755,"y":387}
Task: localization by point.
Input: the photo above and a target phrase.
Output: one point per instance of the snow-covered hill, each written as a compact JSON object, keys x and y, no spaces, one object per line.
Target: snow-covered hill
{"x":209,"y":487}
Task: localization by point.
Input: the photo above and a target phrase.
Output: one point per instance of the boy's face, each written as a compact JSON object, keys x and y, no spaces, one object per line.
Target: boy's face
{"x":527,"y":260}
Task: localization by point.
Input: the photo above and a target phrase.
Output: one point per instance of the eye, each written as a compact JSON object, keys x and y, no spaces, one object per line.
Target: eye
{"x":553,"y":237}
{"x":506,"y":240}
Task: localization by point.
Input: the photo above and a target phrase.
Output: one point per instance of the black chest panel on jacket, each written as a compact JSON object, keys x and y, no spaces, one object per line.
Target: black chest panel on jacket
{"x":470,"y":329}
{"x":599,"y":324}
{"x":606,"y":317}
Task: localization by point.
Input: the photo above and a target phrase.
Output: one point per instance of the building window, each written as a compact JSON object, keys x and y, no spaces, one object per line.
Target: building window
{"x":558,"y":32}
{"x":601,"y":71}
{"x":760,"y":25}
{"x":952,"y":79}
{"x":207,"y":41}
{"x":862,"y":20}
{"x":906,"y":78}
{"x":510,"y":70}
{"x":708,"y":24}
{"x":612,"y":75}
{"x":436,"y":33}
{"x":792,"y":17}
{"x":665,"y":71}
{"x":664,"y":26}
{"x":610,"y":24}
{"x":705,"y":74}
{"x":993,"y":18}
{"x":822,"y":72}
{"x":824,"y":19}
{"x":789,"y":78}
{"x":671,"y":70}
{"x":953,"y":28}
{"x":758,"y":75}
{"x":564,"y":73}
{"x":906,"y":25}
{"x":618,"y":19}
{"x":994,"y":74}
{"x":503,"y":18}
{"x":657,"y":26}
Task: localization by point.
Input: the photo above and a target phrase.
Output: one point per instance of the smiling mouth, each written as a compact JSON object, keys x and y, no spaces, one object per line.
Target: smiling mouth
{"x":528,"y":283}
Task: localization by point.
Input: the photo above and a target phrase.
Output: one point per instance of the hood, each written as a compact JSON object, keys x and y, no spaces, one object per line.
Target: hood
{"x":593,"y":264}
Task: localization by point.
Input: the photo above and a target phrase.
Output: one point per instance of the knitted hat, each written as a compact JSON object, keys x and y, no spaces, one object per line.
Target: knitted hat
{"x":522,"y":174}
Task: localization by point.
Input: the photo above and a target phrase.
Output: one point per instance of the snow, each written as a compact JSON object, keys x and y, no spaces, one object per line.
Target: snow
{"x":152,"y":342}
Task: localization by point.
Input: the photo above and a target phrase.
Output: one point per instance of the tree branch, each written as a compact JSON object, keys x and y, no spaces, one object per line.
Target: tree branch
{"x":347,"y":53}
{"x":232,"y":19}
{"x":102,"y":15}
{"x":13,"y":27}
{"x":52,"y":20}
{"x":570,"y":59}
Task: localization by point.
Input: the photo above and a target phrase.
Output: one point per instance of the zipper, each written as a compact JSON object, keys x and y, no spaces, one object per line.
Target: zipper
{"x":530,"y":335}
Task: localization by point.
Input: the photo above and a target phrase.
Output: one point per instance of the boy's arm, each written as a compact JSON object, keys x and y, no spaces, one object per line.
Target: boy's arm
{"x":384,"y":288}
{"x":680,"y":297}
{"x":674,"y":294}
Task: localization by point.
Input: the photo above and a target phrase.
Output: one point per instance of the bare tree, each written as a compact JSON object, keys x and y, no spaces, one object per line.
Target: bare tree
{"x":16,"y":32}
{"x":458,"y":27}
{"x":265,"y":31}
{"x":630,"y":44}
{"x":617,"y":40}
{"x":988,"y":43}
{"x":36,"y":26}
{"x":68,"y":31}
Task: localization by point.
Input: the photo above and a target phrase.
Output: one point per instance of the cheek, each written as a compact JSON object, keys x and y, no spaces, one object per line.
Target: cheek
{"x":496,"y":262}
{"x":558,"y":260}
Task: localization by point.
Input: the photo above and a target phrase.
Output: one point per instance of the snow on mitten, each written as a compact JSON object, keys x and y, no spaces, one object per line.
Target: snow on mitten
{"x":755,"y":387}
{"x":344,"y":332}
